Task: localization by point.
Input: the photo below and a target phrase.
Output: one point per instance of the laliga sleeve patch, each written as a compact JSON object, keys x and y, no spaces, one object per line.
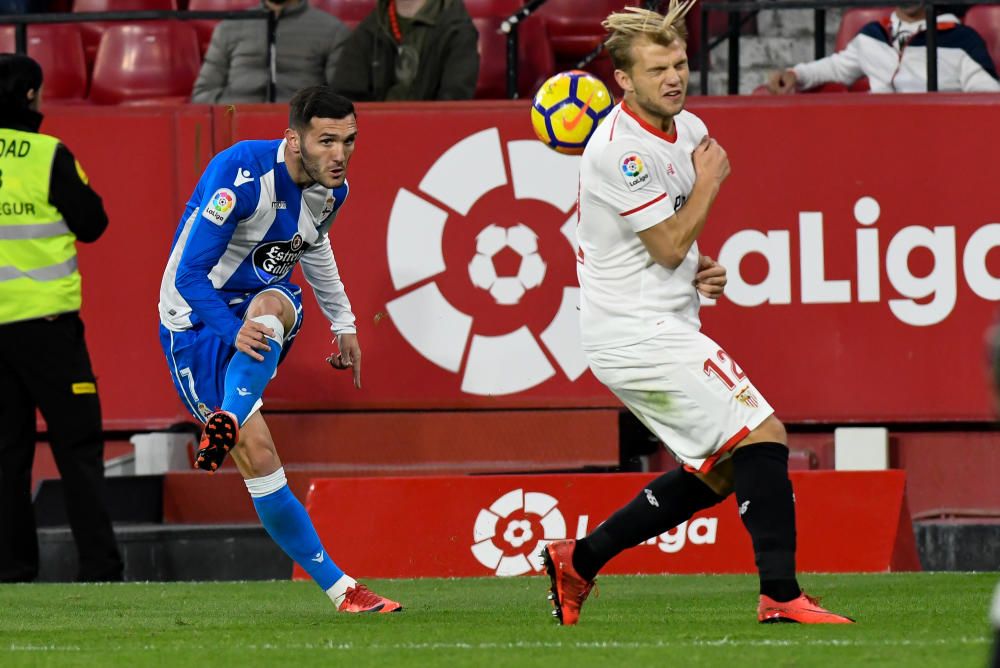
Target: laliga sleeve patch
{"x":220,"y":206}
{"x":634,"y":171}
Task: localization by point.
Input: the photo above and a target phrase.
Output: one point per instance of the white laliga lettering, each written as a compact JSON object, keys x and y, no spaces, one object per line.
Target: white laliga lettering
{"x":673,"y":541}
{"x":776,"y":288}
{"x":939,"y":284}
{"x":816,"y":288}
{"x":977,"y":275}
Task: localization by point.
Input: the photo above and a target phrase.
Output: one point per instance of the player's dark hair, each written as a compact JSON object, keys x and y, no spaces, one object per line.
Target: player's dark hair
{"x":317,"y":102}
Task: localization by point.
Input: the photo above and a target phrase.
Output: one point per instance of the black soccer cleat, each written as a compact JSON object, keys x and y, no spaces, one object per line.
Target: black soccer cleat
{"x":220,"y":435}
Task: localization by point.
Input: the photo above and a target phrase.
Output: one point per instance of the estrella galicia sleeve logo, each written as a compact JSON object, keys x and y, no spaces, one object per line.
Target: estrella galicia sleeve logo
{"x":275,"y":259}
{"x":220,"y":206}
{"x":635,"y":172}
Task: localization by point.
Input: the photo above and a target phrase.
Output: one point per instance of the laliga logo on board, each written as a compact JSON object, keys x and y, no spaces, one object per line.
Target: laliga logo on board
{"x":475,"y":168}
{"x":530,"y":271}
{"x":513,"y":530}
{"x":508,"y":536}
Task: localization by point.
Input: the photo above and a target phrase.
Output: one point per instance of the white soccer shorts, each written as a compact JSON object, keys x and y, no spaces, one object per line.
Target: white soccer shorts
{"x":687,"y":391}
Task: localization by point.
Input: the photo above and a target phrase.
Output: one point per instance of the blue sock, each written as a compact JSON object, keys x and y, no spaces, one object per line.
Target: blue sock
{"x":246,"y":378}
{"x":288,"y":523}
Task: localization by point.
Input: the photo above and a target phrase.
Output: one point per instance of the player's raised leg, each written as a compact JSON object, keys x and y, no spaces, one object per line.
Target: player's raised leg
{"x":288,"y":523}
{"x":767,"y":507}
{"x":271,"y":314}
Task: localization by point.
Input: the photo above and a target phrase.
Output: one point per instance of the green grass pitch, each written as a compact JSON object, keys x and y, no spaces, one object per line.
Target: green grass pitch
{"x":920,"y":619}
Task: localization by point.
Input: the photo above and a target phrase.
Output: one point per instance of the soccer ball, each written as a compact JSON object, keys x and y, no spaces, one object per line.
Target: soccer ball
{"x":568,"y":108}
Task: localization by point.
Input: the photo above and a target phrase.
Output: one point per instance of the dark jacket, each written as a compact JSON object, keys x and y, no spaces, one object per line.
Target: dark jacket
{"x":81,"y":207}
{"x":441,"y":34}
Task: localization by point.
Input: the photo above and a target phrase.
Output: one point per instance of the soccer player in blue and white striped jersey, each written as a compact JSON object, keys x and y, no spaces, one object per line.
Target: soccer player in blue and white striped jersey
{"x":229,"y":312}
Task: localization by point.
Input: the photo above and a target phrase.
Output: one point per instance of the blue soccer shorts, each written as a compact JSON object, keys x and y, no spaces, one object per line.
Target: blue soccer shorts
{"x":198,"y":358}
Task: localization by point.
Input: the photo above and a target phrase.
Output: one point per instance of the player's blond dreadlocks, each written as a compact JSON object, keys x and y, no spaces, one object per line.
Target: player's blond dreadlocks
{"x":624,"y":27}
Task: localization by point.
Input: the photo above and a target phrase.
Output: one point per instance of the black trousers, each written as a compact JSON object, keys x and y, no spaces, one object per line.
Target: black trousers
{"x":44,"y":364}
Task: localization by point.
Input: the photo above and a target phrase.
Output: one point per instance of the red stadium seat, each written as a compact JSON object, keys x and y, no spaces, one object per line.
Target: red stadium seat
{"x":205,"y":28}
{"x":154,"y":60}
{"x":535,"y":61}
{"x":854,"y":20}
{"x":574,"y":27}
{"x":58,"y":48}
{"x":92,"y":31}
{"x":346,"y":10}
{"x":985,"y":19}
{"x":492,"y":8}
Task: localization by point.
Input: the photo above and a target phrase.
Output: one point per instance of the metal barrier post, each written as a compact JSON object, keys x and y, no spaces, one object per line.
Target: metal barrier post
{"x":734,"y":52}
{"x":703,"y":51}
{"x":512,"y":62}
{"x":21,"y":39}
{"x":932,"y":78}
{"x":819,"y":33}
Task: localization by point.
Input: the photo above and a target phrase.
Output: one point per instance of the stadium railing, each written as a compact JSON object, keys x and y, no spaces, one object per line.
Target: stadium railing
{"x":740,"y":13}
{"x":819,"y":7}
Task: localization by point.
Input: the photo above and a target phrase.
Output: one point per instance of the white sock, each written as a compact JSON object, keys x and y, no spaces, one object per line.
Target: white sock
{"x":265,"y":485}
{"x":339,"y":589}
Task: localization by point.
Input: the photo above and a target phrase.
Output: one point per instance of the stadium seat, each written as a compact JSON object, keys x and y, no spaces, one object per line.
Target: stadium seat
{"x":854,"y":20}
{"x":574,"y":27}
{"x":985,"y":19}
{"x":154,"y":60}
{"x":492,"y":8}
{"x":92,"y":30}
{"x":348,"y":11}
{"x":58,"y":48}
{"x":535,"y":61}
{"x":204,"y":28}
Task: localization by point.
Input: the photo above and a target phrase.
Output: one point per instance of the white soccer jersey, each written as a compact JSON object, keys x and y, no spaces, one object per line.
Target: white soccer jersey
{"x":633,"y":176}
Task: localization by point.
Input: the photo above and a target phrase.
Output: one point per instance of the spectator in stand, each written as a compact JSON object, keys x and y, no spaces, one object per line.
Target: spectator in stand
{"x":236,"y":68}
{"x":411,"y":50}
{"x":892,"y":54}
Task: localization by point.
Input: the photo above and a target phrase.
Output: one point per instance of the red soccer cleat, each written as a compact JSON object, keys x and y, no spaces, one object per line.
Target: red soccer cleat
{"x":360,"y":598}
{"x":568,"y":590}
{"x":802,"y":610}
{"x":220,"y":435}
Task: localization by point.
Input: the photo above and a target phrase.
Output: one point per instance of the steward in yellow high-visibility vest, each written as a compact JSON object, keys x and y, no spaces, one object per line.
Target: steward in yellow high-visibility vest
{"x":46,"y":205}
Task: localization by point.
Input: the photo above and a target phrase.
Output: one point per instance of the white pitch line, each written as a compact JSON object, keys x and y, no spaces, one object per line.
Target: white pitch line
{"x":725,"y":641}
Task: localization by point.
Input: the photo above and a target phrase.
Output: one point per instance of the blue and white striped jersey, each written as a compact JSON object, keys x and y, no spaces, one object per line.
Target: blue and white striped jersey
{"x":244,"y":229}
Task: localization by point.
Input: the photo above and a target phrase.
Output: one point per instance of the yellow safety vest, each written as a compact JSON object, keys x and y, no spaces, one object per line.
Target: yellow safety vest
{"x":38,"y":274}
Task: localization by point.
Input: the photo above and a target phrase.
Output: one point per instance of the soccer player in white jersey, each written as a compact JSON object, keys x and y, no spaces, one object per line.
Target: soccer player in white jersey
{"x":648,"y":179}
{"x":229,"y":311}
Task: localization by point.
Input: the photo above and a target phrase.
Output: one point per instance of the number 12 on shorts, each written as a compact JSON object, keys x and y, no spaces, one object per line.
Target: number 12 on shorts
{"x":712,"y":369}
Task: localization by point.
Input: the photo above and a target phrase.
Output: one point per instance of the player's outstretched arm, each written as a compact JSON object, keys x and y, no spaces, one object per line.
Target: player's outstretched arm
{"x":669,"y":241}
